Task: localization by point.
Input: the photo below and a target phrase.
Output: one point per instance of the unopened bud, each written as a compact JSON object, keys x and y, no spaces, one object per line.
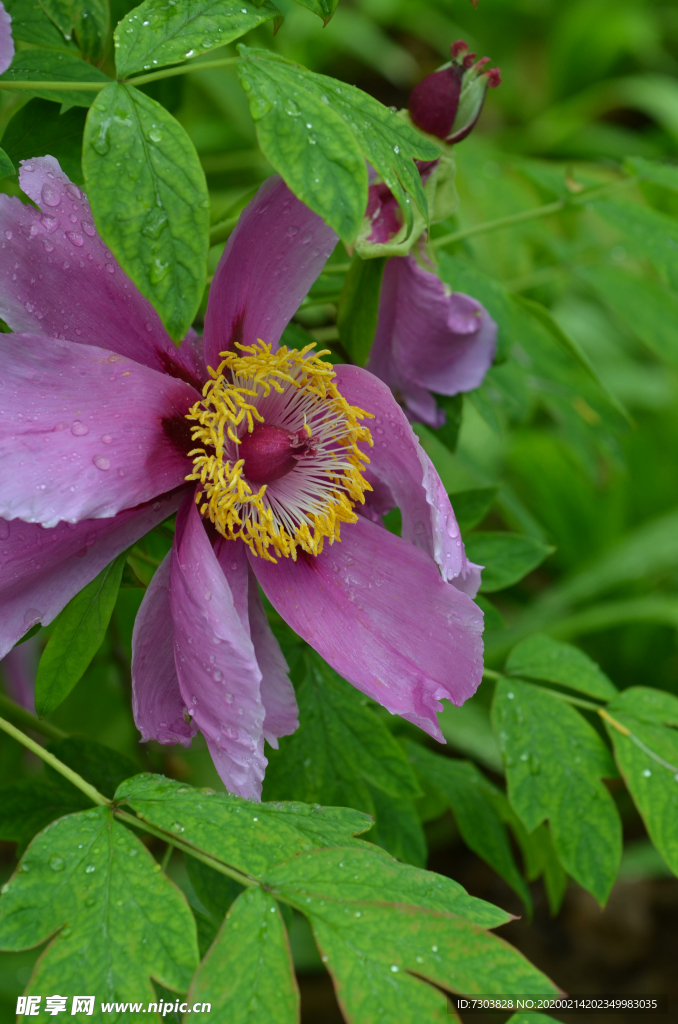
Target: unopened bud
{"x":448,"y":102}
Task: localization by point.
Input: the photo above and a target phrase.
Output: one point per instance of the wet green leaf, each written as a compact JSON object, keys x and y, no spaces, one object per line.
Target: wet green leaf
{"x":39,"y":128}
{"x":507,"y":557}
{"x":541,"y":657}
{"x":50,"y":66}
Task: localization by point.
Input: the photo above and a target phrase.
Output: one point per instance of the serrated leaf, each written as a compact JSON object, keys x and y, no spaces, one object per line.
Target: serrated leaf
{"x":76,"y":636}
{"x":39,"y":128}
{"x":647,"y":230}
{"x":507,"y":557}
{"x":251,"y":837}
{"x":318,"y":132}
{"x":471,"y":507}
{"x":541,"y":657}
{"x":323,"y":8}
{"x":30,"y":24}
{"x":376,"y":931}
{"x":473,"y":800}
{"x":248,"y":976}
{"x":49,"y":66}
{"x":652,"y":717}
{"x":88,"y":20}
{"x":151,"y":36}
{"x":116,"y":920}
{"x":359,"y":307}
{"x":340,"y":747}
{"x":555,"y":762}
{"x":154,"y":214}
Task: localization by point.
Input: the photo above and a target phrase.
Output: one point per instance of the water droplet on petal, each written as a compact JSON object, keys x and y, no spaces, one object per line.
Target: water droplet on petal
{"x":79,"y":429}
{"x":101,"y":462}
{"x":50,"y":194}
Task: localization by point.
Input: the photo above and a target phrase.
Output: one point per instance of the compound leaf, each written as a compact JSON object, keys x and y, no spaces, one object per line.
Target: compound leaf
{"x":323,"y":8}
{"x":555,"y":762}
{"x":507,"y":557}
{"x":318,"y":133}
{"x":154,"y":212}
{"x":51,"y":66}
{"x":116,"y":921}
{"x":541,"y":657}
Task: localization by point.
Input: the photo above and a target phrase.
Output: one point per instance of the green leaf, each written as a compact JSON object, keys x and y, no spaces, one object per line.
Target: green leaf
{"x":507,"y":557}
{"x":473,"y":800}
{"x":652,"y":718}
{"x":647,"y":230}
{"x":540,"y":657}
{"x":149,"y":200}
{"x":248,"y":976}
{"x":359,"y":307}
{"x":48,"y":66}
{"x":151,"y":36}
{"x":646,"y":305}
{"x":7,"y":168}
{"x":250,"y":837}
{"x":540,"y":858}
{"x":323,"y":8}
{"x":119,"y":920}
{"x":76,"y":636}
{"x":471,"y":507}
{"x":324,"y":164}
{"x":453,"y":407}
{"x":663,"y":174}
{"x":378,"y":923}
{"x":39,"y":128}
{"x":342,"y":753}
{"x":493,"y":618}
{"x":554,"y":765}
{"x":30,"y":24}
{"x":89,"y":21}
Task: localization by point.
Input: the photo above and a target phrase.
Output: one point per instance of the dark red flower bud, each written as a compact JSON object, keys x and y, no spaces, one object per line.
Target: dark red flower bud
{"x":448,"y":102}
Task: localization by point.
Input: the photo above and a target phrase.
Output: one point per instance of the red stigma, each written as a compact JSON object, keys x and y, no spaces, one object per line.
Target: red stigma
{"x":494,"y":78}
{"x":457,"y":48}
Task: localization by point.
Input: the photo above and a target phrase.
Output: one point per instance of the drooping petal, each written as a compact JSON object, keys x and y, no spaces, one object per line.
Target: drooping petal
{"x":374,"y":606}
{"x":6,"y":40}
{"x":429,"y":337}
{"x":156,"y":698}
{"x":41,"y":570}
{"x":277,"y":692}
{"x":219,"y":678}
{"x":399,"y":461}
{"x":19,"y":668}
{"x":270,"y":261}
{"x":58,"y":278}
{"x":85,"y":432}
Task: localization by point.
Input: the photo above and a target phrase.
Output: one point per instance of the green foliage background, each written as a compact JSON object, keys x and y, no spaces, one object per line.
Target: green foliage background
{"x":563,"y":462}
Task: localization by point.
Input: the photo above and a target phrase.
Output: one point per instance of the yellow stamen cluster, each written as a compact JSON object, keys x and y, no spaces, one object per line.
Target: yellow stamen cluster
{"x":295,"y":390}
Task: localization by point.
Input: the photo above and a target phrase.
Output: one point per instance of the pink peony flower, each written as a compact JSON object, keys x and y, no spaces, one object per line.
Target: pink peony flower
{"x":106,"y":428}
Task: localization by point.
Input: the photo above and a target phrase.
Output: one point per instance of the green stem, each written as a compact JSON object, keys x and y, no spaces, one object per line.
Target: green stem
{"x":6,"y":83}
{"x":489,"y":673}
{"x":575,"y":700}
{"x":534,"y":214}
{"x":94,"y":795}
{"x":183,"y":69}
{"x":168,"y":837}
{"x":23,"y":717}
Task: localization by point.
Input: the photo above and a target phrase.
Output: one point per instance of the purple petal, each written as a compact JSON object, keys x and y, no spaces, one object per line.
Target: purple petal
{"x":399,"y":461}
{"x":57,"y":277}
{"x":6,"y":41}
{"x":81,"y":431}
{"x":156,"y":699}
{"x":19,"y":669}
{"x":219,"y":678}
{"x":375,"y":608}
{"x":41,"y":570}
{"x":277,"y":692}
{"x":429,"y":338}
{"x":270,"y":261}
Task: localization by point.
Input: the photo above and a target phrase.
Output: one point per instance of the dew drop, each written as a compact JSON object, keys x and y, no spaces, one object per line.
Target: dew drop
{"x":79,"y":429}
{"x":56,"y":863}
{"x":50,"y":195}
{"x":101,"y":462}
{"x":75,"y":238}
{"x":90,"y":868}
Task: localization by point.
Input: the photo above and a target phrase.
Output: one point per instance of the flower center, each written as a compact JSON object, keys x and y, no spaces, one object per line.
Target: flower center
{"x":277,"y":421}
